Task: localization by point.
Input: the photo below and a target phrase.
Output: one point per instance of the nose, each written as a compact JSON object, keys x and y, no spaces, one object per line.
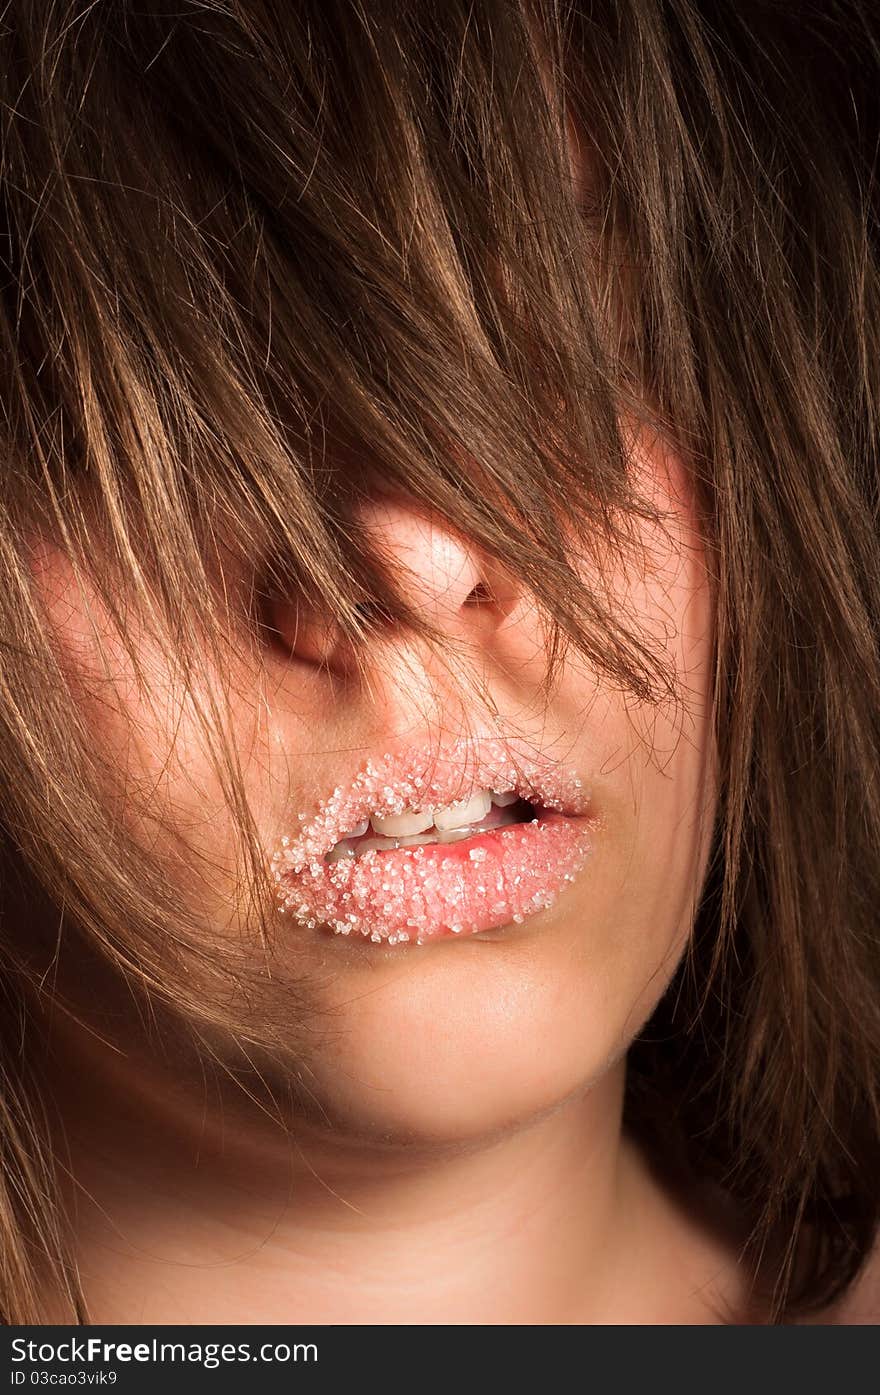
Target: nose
{"x":444,"y":576}
{"x":459,"y":590}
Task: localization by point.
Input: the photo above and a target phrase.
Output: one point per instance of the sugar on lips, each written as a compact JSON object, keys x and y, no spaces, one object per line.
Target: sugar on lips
{"x":422,"y":844}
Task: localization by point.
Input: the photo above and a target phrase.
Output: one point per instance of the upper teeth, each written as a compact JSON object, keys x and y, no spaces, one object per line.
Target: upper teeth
{"x":403,"y":825}
{"x":445,"y":823}
{"x":458,"y":815}
{"x":465,"y":811}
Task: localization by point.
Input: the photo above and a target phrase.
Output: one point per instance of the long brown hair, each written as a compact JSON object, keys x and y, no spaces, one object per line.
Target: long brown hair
{"x":245,"y":243}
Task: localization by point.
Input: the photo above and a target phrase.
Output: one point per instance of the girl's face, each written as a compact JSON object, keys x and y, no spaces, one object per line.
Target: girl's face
{"x":470,"y":1032}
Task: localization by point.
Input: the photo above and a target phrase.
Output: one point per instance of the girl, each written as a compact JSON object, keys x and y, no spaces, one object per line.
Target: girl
{"x":440,"y":688}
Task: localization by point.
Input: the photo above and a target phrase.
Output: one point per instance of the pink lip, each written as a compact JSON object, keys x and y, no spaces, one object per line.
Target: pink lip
{"x":411,"y":895}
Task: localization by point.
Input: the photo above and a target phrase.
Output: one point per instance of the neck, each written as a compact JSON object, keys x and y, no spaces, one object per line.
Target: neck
{"x":190,"y":1211}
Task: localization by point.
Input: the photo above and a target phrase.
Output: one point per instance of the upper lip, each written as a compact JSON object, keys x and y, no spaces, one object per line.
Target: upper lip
{"x":434,"y":774}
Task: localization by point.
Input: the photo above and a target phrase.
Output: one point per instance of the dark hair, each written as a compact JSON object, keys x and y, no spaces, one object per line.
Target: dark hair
{"x":246,"y":244}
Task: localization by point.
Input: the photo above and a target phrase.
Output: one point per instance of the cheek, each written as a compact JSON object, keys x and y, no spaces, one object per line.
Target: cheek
{"x":655,"y":767}
{"x":98,"y":668}
{"x":149,"y":743}
{"x":678,"y":785}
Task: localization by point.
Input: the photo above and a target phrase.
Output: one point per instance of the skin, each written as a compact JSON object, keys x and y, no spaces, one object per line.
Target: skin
{"x":461,"y":1157}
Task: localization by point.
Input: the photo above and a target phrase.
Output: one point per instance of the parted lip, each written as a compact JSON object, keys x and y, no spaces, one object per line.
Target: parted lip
{"x":416,"y":777}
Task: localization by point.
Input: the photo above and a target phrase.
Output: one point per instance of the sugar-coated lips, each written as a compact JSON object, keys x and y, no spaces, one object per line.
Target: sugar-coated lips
{"x":412,"y":894}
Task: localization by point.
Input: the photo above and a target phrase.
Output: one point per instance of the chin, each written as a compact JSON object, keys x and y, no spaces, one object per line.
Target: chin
{"x":453,"y":1043}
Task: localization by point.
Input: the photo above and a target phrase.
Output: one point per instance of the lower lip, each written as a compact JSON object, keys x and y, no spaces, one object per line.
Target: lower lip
{"x":412,"y":895}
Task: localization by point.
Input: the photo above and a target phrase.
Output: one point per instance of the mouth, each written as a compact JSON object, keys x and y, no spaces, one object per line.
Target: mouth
{"x":426,"y":844}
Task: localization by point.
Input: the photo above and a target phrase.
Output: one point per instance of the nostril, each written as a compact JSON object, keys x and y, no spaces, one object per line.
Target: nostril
{"x":479,"y":595}
{"x":290,"y":627}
